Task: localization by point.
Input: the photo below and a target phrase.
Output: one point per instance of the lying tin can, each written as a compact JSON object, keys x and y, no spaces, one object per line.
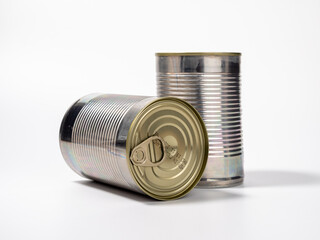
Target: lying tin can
{"x":211,"y":83}
{"x":155,"y":146}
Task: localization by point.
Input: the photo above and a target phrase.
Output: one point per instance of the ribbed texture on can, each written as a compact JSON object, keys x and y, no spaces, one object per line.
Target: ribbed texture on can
{"x":211,"y":84}
{"x":94,"y":138}
{"x":217,"y":98}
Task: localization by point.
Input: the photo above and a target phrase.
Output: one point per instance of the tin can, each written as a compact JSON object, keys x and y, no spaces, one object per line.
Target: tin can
{"x":211,"y":83}
{"x":156,"y":146}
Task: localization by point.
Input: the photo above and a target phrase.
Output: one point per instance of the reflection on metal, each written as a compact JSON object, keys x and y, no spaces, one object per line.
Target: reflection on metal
{"x":211,"y":83}
{"x":155,"y":146}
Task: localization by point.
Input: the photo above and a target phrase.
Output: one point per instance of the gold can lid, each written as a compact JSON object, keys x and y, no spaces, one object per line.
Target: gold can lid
{"x":167,"y":148}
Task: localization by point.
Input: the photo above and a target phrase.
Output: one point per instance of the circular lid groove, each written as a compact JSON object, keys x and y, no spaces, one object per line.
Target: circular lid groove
{"x":186,"y":148}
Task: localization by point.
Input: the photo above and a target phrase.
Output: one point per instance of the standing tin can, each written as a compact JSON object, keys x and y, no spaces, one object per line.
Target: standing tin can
{"x":155,"y":146}
{"x":211,"y":83}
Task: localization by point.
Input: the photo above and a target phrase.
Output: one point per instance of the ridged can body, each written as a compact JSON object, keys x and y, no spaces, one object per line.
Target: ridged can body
{"x":100,"y":131}
{"x":91,"y":141}
{"x":211,"y":83}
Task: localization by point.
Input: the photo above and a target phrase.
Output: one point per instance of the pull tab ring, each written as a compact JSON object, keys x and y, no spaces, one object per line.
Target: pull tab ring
{"x":145,"y":154}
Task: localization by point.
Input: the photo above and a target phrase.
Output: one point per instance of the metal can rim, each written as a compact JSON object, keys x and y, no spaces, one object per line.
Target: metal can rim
{"x":168,"y":54}
{"x":205,"y":147}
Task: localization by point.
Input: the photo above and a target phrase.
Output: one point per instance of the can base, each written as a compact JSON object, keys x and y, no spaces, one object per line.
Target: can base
{"x":219,"y":182}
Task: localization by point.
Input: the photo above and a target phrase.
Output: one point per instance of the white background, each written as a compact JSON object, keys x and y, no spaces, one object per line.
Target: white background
{"x":54,"y":52}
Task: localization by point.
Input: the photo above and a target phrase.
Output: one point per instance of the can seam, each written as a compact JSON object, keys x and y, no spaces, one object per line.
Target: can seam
{"x":206,"y":153}
{"x":165,"y":54}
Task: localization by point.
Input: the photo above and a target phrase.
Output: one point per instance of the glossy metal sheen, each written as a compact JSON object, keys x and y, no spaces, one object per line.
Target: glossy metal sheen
{"x":99,"y":132}
{"x":211,"y":83}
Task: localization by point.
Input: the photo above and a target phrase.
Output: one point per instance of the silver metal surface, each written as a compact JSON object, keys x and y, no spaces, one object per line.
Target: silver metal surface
{"x":93,"y":137}
{"x":155,"y":146}
{"x":211,"y":83}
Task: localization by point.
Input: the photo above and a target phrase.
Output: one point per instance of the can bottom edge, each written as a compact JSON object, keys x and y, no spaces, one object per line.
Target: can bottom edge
{"x":220,"y":182}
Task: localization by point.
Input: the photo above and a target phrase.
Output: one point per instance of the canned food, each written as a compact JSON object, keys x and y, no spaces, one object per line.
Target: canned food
{"x":155,"y":146}
{"x":211,"y":83}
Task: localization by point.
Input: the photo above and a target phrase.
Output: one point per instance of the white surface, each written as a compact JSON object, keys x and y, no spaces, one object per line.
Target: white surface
{"x":53,"y":52}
